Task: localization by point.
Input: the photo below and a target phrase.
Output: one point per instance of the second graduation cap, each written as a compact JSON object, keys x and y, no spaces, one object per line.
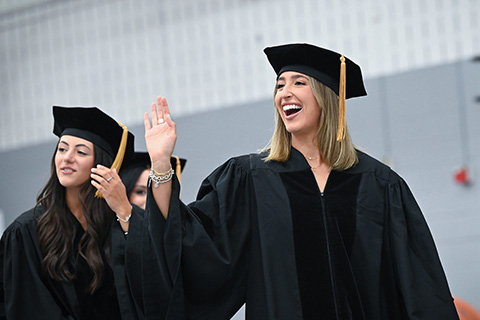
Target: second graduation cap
{"x":142,"y":159}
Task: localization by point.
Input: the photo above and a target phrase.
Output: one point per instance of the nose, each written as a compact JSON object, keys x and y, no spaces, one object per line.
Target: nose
{"x":69,"y":156}
{"x":285,"y":93}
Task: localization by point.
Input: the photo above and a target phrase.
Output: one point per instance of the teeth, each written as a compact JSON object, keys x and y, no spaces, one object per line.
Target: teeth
{"x":291,"y":107}
{"x":68,"y":170}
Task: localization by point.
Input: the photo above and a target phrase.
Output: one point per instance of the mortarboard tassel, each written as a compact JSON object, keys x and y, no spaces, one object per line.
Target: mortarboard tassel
{"x":178,"y":168}
{"x":341,"y":102}
{"x":117,"y":163}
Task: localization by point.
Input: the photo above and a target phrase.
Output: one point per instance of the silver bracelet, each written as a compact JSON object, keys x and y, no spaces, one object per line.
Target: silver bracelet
{"x":124,"y":220}
{"x":160,"y":177}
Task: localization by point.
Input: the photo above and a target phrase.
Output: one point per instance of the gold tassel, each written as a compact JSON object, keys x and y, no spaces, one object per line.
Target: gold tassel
{"x":178,"y":171}
{"x":117,"y":163}
{"x":178,"y":168}
{"x":341,"y":103}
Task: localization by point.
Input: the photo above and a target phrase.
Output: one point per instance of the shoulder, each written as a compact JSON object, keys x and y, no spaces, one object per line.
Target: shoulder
{"x":370,"y":165}
{"x":237,"y":168}
{"x":26,"y":220}
{"x":256,"y":161}
{"x":19,"y":242}
{"x":244,"y":162}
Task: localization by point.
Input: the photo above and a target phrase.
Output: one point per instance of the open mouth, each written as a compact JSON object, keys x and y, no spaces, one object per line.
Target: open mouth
{"x":290,"y":109}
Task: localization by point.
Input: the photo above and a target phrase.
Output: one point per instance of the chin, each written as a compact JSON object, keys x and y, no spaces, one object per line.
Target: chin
{"x":65,"y":185}
{"x":292,"y":129}
{"x":70,"y":184}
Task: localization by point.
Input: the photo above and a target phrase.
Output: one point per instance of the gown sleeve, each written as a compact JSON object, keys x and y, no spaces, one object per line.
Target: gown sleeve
{"x":24,"y":295}
{"x":420,"y":277}
{"x":195,"y":262}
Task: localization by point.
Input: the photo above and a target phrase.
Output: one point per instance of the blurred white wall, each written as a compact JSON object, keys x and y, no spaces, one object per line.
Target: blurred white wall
{"x":201,"y":54}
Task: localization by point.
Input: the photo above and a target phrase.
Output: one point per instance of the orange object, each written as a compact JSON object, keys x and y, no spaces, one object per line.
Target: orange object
{"x":465,"y":310}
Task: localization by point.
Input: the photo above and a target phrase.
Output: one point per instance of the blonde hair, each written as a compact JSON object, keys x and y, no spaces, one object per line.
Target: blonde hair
{"x":340,"y":155}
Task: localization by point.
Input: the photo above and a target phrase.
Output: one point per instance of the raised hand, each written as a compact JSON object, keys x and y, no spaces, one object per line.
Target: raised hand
{"x":160,"y":137}
{"x":160,"y":134}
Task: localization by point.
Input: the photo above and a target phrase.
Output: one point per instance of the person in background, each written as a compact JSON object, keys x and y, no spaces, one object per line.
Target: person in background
{"x":310,"y":228}
{"x":135,"y":176}
{"x":55,"y":259}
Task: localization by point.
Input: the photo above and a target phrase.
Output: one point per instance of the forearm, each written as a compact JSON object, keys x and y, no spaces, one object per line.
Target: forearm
{"x":162,"y":191}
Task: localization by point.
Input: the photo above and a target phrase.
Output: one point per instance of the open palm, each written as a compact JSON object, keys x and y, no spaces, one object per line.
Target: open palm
{"x":160,"y":133}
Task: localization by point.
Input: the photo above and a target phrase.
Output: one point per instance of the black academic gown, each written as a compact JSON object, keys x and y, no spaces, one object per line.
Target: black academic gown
{"x":264,"y":234}
{"x":27,"y":294}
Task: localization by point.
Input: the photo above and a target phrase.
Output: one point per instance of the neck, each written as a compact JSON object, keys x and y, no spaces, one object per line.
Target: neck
{"x":307,"y":147}
{"x":71,"y":197}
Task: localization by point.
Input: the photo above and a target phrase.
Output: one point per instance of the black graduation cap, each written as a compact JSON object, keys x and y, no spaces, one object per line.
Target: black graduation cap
{"x":92,"y":124}
{"x":334,"y":70}
{"x":178,"y":163}
{"x":320,"y":63}
{"x":140,"y":159}
{"x":143,"y":159}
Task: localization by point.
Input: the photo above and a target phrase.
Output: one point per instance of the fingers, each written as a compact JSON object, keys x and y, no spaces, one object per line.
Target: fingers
{"x":103,"y":175}
{"x":165,"y":108}
{"x":161,"y":112}
{"x":113,"y":175}
{"x":146,"y":121}
{"x":154,"y":114}
{"x":107,"y":181}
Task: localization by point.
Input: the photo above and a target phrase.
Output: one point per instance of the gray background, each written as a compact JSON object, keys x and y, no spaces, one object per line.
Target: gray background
{"x":420,"y":115}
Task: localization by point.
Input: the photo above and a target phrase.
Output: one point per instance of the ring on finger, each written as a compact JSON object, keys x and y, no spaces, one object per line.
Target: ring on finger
{"x":108,"y":180}
{"x":161,"y":121}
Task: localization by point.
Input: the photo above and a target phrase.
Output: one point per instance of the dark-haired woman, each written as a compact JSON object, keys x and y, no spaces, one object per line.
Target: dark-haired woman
{"x":55,"y":259}
{"x":135,"y":176}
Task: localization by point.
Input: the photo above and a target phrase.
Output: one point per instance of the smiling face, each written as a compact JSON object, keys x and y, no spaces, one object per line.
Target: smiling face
{"x":73,"y":160}
{"x":297,"y":104}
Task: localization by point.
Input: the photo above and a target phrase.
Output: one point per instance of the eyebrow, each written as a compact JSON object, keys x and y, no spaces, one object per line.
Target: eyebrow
{"x":295,"y":76}
{"x":77,"y":145}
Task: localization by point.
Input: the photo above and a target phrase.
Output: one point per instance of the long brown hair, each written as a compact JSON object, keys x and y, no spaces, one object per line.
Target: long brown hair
{"x":340,"y":155}
{"x":57,"y":228}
